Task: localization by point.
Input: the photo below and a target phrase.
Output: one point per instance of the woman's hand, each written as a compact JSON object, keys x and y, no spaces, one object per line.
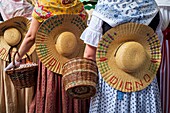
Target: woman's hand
{"x":26,"y":44}
{"x":90,"y":52}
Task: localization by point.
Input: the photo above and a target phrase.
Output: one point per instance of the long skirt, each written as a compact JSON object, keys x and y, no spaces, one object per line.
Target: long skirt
{"x":110,"y":100}
{"x":50,"y":97}
{"x":11,"y":99}
{"x":164,"y":74}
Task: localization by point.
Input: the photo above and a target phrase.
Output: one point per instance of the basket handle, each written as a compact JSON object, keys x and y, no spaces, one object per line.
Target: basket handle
{"x":18,"y":54}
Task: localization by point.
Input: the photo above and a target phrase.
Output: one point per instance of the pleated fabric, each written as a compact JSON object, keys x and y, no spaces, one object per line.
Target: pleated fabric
{"x":12,"y":100}
{"x":50,"y":96}
{"x":164,"y":75}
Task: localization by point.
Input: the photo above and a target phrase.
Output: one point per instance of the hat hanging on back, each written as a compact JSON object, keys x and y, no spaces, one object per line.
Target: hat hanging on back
{"x":58,"y":40}
{"x":12,"y":32}
{"x":128,"y":56}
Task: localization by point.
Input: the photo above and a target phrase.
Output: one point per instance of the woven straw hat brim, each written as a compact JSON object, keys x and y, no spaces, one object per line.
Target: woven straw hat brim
{"x":20,"y":23}
{"x":111,"y":73}
{"x":46,"y":39}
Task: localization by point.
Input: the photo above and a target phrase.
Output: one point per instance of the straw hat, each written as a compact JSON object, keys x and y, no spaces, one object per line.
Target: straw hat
{"x":58,"y":40}
{"x":128,"y":56}
{"x":12,"y":32}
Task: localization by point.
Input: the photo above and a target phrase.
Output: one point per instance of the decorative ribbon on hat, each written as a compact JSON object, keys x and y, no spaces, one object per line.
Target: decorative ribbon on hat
{"x":12,"y":33}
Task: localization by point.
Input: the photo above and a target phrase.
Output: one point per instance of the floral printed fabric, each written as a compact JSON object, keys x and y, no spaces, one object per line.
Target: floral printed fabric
{"x":47,"y":8}
{"x":115,"y":12}
{"x":12,"y":8}
{"x":107,"y":100}
{"x":110,"y":100}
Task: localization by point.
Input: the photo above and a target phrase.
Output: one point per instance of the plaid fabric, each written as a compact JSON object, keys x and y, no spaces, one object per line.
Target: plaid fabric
{"x":155,"y":53}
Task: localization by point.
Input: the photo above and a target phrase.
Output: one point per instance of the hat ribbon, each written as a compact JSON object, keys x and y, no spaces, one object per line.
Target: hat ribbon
{"x":9,"y":52}
{"x":118,"y":48}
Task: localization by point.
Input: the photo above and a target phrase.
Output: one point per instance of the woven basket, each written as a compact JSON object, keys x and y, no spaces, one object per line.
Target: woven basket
{"x":23,"y":77}
{"x":80,"y":77}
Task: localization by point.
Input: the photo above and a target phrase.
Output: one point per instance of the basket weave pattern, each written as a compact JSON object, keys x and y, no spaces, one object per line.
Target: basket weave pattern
{"x":80,"y":77}
{"x":23,"y":77}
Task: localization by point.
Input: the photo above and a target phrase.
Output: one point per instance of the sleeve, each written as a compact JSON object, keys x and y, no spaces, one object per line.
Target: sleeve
{"x":165,"y":11}
{"x":93,"y":33}
{"x":40,"y":12}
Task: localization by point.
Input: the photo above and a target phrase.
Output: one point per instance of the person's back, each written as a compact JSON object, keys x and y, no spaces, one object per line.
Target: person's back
{"x":163,"y":73}
{"x":45,"y":9}
{"x":10,"y":101}
{"x":49,"y":92}
{"x":121,"y":11}
{"x":108,"y":14}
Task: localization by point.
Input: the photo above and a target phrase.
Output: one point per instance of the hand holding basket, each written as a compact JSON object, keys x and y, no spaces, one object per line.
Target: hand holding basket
{"x":23,"y":76}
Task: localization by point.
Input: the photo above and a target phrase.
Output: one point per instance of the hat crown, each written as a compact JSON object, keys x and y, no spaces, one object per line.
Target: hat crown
{"x":66,"y":43}
{"x":12,"y":36}
{"x":130,"y":56}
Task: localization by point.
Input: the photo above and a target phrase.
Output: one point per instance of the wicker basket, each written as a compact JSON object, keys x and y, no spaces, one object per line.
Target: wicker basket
{"x":23,"y":77}
{"x":80,"y":76}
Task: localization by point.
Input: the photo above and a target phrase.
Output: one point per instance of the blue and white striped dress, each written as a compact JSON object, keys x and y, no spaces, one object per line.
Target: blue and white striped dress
{"x":108,"y":99}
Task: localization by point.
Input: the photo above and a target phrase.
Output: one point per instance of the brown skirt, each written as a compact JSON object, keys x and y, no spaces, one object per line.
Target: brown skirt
{"x":50,"y":97}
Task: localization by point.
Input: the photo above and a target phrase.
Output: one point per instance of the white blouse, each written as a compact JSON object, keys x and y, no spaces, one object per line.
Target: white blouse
{"x":163,"y":2}
{"x":116,"y":12}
